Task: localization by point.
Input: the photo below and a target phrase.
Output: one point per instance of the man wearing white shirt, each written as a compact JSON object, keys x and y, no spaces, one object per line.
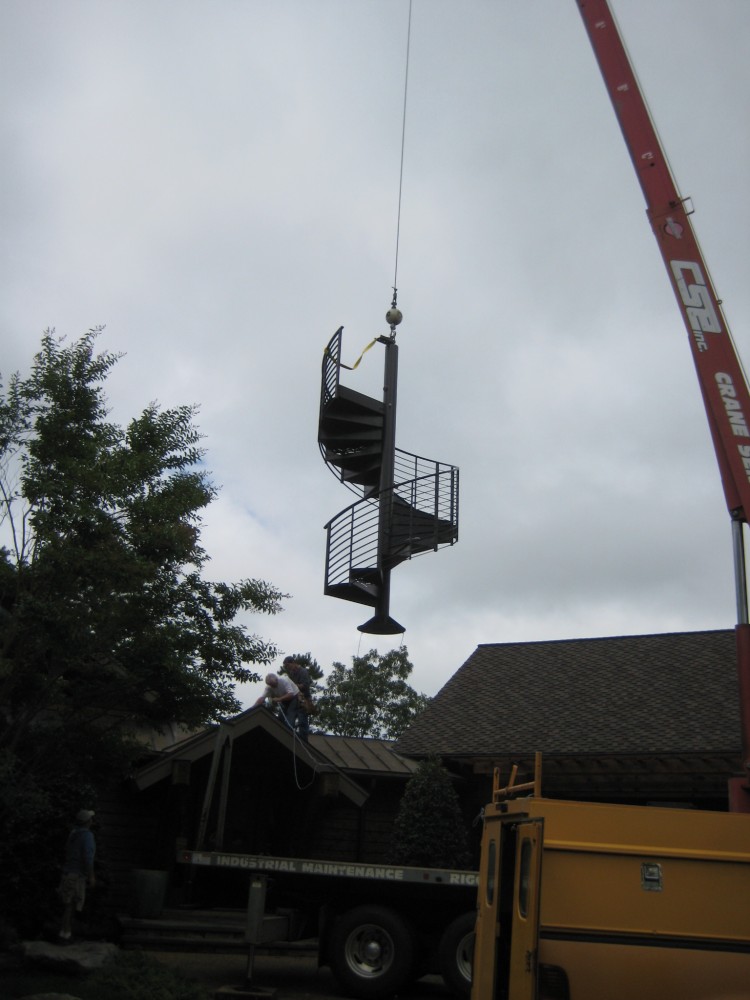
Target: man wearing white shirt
{"x":282,"y":691}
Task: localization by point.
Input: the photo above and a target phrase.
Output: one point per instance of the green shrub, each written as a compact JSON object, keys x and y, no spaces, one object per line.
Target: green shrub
{"x":429,"y":830}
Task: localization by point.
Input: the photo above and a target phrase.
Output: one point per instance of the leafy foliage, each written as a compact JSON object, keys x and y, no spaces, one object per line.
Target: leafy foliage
{"x":107,"y":625}
{"x":429,"y":830}
{"x":372,"y":698}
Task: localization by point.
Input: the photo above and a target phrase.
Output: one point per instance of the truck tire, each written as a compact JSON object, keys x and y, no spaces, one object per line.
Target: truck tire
{"x":457,"y":954}
{"x":372,"y":951}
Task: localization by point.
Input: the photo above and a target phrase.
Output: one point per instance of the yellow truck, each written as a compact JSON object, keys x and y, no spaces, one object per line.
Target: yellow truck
{"x":590,"y":901}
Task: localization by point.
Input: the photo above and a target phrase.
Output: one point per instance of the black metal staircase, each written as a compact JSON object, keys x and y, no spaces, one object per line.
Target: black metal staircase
{"x":415,"y":511}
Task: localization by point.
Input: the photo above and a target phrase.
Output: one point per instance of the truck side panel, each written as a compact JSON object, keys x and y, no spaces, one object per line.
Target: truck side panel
{"x":635,"y":902}
{"x":679,"y":896}
{"x":596,"y":969}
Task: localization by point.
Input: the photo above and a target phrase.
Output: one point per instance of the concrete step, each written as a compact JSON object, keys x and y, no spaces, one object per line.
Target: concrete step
{"x":205,"y":930}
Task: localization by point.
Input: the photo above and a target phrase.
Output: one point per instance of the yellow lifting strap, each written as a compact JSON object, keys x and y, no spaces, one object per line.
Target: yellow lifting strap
{"x":356,"y":363}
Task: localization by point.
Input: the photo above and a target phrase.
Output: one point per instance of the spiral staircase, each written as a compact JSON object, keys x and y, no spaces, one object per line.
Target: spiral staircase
{"x":416,"y":511}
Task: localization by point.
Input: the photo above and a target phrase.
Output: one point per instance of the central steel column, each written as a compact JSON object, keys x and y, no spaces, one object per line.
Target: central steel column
{"x":381,"y":622}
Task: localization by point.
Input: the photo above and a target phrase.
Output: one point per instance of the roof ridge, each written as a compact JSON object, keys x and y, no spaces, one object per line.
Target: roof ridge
{"x":604,"y":638}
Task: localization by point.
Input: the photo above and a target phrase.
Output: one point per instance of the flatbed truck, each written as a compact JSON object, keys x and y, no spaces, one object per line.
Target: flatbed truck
{"x":377,"y":926}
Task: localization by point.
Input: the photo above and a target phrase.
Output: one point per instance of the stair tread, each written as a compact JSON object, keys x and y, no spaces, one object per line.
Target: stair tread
{"x":350,"y":438}
{"x":346,"y":397}
{"x":343,"y":416}
{"x":351,"y":592}
{"x":157,"y":925}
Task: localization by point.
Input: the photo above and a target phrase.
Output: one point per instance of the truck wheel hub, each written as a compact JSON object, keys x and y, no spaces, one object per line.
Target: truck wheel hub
{"x":372,"y":951}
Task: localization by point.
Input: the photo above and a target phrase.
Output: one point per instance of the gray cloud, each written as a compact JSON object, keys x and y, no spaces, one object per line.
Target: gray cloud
{"x":217,"y":183}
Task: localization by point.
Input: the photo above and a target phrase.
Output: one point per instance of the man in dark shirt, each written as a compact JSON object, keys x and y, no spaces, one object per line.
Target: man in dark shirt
{"x":77,"y":871}
{"x":301,"y":678}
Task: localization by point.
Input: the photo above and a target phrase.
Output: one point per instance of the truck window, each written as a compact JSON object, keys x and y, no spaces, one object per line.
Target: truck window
{"x":490,"y":885}
{"x":523,"y":877}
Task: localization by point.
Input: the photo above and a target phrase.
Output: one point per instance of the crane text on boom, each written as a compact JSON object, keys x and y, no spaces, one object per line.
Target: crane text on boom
{"x":732,"y":405}
{"x":697,"y":300}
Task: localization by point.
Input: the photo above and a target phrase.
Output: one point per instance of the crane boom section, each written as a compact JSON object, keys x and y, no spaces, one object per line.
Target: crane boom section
{"x":722,"y":380}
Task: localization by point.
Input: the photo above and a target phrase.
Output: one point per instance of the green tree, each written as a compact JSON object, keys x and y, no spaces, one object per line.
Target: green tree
{"x":107,"y":624}
{"x":429,"y":830}
{"x":371,"y":698}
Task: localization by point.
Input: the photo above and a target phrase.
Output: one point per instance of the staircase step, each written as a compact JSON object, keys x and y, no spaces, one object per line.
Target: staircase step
{"x":360,"y":473}
{"x":363,"y":477}
{"x":405,"y":544}
{"x":333,"y":416}
{"x":346,"y":436}
{"x":200,"y":930}
{"x":207,"y":925}
{"x":221,"y":945}
{"x":357,"y":593}
{"x":353,"y":400}
{"x":364,"y":574}
{"x":354,"y":460}
{"x":189,"y":930}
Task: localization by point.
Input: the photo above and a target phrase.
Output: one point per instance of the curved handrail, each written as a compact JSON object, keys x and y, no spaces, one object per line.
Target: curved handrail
{"x":423,"y":518}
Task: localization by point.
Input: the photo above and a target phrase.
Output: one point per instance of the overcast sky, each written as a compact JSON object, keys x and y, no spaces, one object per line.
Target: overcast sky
{"x":217,"y":183}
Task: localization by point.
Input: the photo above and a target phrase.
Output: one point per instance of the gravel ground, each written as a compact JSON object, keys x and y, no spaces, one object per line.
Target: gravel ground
{"x":293,"y":977}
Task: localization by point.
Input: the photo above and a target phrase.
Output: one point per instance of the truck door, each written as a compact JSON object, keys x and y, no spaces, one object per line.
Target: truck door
{"x":524,"y":923}
{"x":507,"y":930}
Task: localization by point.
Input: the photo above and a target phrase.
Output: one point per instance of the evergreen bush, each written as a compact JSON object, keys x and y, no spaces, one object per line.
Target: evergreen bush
{"x":429,"y":830}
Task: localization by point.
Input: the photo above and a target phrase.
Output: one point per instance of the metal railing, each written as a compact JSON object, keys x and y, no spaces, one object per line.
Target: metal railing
{"x":352,"y":546}
{"x":331,"y":369}
{"x":421,"y":517}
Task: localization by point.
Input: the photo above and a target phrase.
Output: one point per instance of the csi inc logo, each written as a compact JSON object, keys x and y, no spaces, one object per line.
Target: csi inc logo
{"x":696,"y":298}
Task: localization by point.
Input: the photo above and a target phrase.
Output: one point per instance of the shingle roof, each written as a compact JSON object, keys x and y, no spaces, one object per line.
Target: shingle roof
{"x":670,"y":694}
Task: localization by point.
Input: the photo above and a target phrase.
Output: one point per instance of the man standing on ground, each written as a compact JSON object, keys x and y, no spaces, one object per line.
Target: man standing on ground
{"x":77,"y":871}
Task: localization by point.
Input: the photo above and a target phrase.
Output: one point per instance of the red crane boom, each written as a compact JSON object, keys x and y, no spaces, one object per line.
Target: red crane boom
{"x":722,"y":382}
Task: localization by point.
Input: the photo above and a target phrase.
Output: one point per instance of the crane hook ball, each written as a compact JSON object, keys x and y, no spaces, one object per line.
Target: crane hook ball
{"x":393,"y":317}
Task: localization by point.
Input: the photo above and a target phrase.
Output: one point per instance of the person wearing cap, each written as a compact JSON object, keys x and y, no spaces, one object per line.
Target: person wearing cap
{"x":301,"y":678}
{"x":77,"y":871}
{"x":282,"y":692}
